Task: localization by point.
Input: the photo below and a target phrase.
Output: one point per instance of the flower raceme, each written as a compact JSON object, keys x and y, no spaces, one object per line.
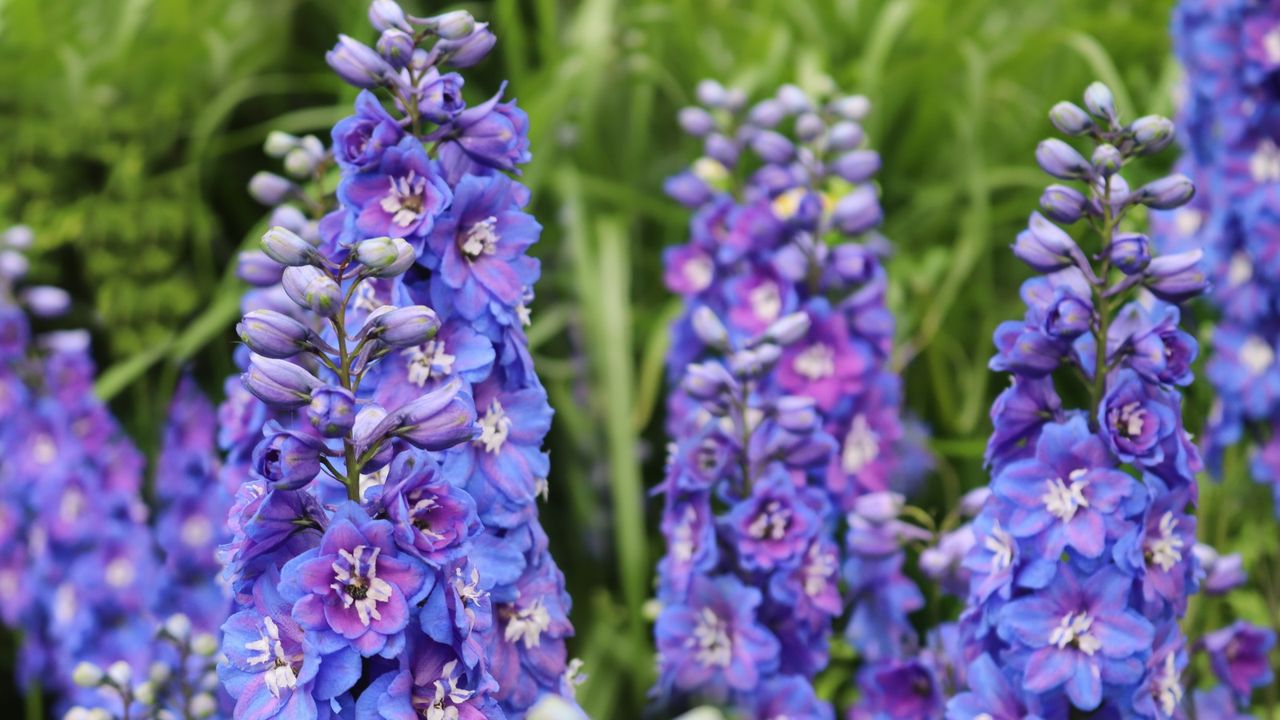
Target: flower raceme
{"x":1081,"y":559}
{"x":385,"y":437}
{"x":784,"y":417}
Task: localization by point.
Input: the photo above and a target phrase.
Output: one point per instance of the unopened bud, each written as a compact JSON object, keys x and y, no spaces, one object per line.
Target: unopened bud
{"x":312,"y":289}
{"x":86,"y":674}
{"x":385,"y":256}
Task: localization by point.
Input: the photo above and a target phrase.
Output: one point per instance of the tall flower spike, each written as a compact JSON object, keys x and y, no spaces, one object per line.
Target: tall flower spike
{"x":1079,"y":564}
{"x":784,"y":417}
{"x":1231,"y":151}
{"x":387,"y":554}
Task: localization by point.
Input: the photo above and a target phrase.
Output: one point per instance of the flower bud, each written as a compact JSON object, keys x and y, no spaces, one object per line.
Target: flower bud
{"x":735,"y":99}
{"x":257,"y":269}
{"x":772,"y":147}
{"x":971,"y":502}
{"x":454,"y":25}
{"x":120,"y":673}
{"x":286,"y":459}
{"x":18,"y":237}
{"x":687,"y":189}
{"x":396,"y":47}
{"x":1063,"y":204}
{"x":1130,"y":253}
{"x":696,"y":121}
{"x":845,"y":136}
{"x":368,"y":420}
{"x":1061,"y":160}
{"x":809,"y":127}
{"x":272,"y":334}
{"x":278,"y":383}
{"x":204,"y":644}
{"x":1045,"y":246}
{"x":178,"y":626}
{"x":46,"y":301}
{"x":13,"y":265}
{"x":387,"y":14}
{"x":796,"y":413}
{"x":879,"y":507}
{"x":708,"y":327}
{"x":1107,"y":160}
{"x":721,"y":149}
{"x":159,"y":672}
{"x":202,"y":706}
{"x":767,"y":113}
{"x":357,"y":63}
{"x":753,"y":361}
{"x":857,"y":166}
{"x":468,"y":50}
{"x":312,"y":289}
{"x":853,"y":262}
{"x":1152,"y":133}
{"x":788,"y":328}
{"x":1166,"y":193}
{"x":65,"y":341}
{"x":332,"y":411}
{"x":406,"y":326}
{"x":1100,"y":102}
{"x":711,"y":94}
{"x":279,"y":143}
{"x":793,"y":99}
{"x":386,"y":257}
{"x":269,"y":188}
{"x":858,"y":211}
{"x":852,"y":107}
{"x":86,"y":674}
{"x":145,"y":693}
{"x":1068,"y":318}
{"x":1070,"y":119}
{"x":1177,"y":277}
{"x":437,"y":420}
{"x":706,"y":381}
{"x":299,"y":163}
{"x":287,"y":248}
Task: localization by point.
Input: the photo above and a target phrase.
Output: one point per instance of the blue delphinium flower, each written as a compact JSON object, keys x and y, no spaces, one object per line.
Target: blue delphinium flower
{"x":1080,"y":561}
{"x":785,"y":423}
{"x":1227,"y":100}
{"x":385,"y":438}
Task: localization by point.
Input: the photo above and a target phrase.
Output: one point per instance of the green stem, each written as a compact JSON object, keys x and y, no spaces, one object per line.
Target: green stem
{"x":1103,"y":307}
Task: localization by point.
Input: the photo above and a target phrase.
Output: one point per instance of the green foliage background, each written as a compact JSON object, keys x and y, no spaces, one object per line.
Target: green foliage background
{"x":128,"y":130}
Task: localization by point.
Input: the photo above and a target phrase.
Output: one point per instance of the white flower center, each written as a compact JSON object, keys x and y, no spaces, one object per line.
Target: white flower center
{"x":196,"y":531}
{"x":71,"y":505}
{"x":443,"y":705}
{"x":481,"y":239}
{"x":64,"y":604}
{"x":711,"y":640}
{"x":281,"y":675}
{"x":771,"y":523}
{"x":406,"y":199}
{"x":861,"y":446}
{"x":683,"y":544}
{"x":120,"y":572}
{"x":374,"y":479}
{"x":1073,"y":629}
{"x":428,"y":360}
{"x":1000,"y":544}
{"x":44,"y":450}
{"x":1187,"y":221}
{"x":1062,"y":500}
{"x":1168,"y":690}
{"x":526,"y":625}
{"x":495,"y":426}
{"x":819,"y":568}
{"x":1165,"y":550}
{"x":1271,"y":43}
{"x":816,"y":362}
{"x":1239,"y":269}
{"x":699,"y":271}
{"x":766,"y":303}
{"x":1264,"y":165}
{"x":1256,"y":355}
{"x":356,"y":581}
{"x":1129,"y":421}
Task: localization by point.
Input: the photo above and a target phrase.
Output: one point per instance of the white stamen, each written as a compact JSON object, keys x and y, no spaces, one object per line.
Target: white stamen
{"x":196,"y":531}
{"x":495,"y":426}
{"x":1239,"y":269}
{"x":1168,"y":690}
{"x":699,"y":271}
{"x":1000,"y":543}
{"x":120,"y":572}
{"x":481,"y":239}
{"x":711,"y":640}
{"x":406,"y":199}
{"x":1165,"y":550}
{"x":766,"y":303}
{"x":1264,"y":165}
{"x":356,"y":581}
{"x":1271,"y":43}
{"x":816,"y":362}
{"x":771,"y":523}
{"x":1062,"y":500}
{"x":1256,"y":355}
{"x":528,"y":624}
{"x":281,"y":675}
{"x":1073,"y":629}
{"x":861,"y":446}
{"x":819,"y":570}
{"x":428,"y":360}
{"x":1187,"y":221}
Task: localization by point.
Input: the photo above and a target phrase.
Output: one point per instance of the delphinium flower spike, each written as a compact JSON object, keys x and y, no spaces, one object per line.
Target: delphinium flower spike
{"x":784,"y":415}
{"x":388,"y":556}
{"x":1081,"y":561}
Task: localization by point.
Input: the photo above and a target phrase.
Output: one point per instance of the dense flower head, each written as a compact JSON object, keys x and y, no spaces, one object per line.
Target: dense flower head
{"x":1228,"y":102}
{"x":385,"y":439}
{"x":1081,"y":559}
{"x":784,"y":417}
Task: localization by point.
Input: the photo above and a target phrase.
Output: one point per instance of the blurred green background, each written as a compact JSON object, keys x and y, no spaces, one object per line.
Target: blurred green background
{"x":129,"y":129}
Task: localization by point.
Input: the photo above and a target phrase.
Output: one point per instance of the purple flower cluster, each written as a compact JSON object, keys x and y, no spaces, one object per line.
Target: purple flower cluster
{"x":1228,"y":105}
{"x":1081,"y":560}
{"x":386,"y":443}
{"x":785,"y":417}
{"x":87,"y":573}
